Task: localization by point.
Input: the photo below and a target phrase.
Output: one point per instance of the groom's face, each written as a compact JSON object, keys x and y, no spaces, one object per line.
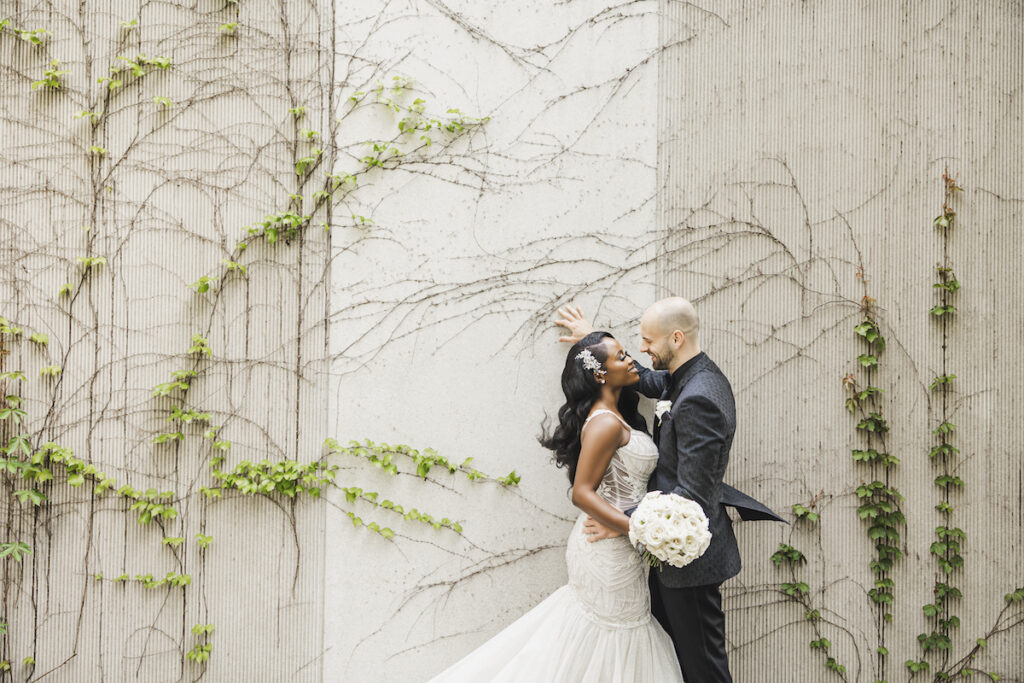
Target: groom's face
{"x":655,"y":344}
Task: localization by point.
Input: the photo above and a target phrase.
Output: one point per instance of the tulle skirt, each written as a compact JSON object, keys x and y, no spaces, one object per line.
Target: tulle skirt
{"x":596,"y":629}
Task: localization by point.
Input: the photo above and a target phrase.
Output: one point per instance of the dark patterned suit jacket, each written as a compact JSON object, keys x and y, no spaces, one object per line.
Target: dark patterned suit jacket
{"x":694,"y":439}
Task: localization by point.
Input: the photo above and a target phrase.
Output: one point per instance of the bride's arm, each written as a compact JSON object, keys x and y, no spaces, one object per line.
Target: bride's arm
{"x":602,"y":437}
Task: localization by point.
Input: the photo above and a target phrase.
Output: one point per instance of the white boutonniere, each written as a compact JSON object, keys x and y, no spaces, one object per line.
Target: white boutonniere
{"x":661,"y":408}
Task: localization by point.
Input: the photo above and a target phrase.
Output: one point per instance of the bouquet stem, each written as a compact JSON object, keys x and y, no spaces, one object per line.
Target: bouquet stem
{"x":651,"y":560}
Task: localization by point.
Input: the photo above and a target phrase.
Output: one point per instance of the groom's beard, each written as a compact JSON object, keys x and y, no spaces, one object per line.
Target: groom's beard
{"x":658,"y":364}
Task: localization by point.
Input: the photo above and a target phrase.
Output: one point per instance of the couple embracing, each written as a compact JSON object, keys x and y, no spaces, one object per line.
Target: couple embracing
{"x":598,"y":627}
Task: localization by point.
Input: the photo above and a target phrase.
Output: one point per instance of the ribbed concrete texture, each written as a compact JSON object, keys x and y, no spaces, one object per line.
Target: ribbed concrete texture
{"x":412,"y":190}
{"x":801,"y":153}
{"x":165,"y":190}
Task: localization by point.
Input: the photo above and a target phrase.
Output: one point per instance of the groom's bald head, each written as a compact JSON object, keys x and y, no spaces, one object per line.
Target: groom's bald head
{"x":669,"y":330}
{"x":671,"y":314}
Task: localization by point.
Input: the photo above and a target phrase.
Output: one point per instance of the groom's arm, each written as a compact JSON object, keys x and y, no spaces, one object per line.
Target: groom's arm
{"x":701,"y":430}
{"x":653,"y":383}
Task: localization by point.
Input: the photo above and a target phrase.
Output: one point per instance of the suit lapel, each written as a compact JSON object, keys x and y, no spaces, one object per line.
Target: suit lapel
{"x":672,"y":392}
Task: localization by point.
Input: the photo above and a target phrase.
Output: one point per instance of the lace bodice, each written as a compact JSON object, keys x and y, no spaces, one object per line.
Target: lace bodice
{"x":608,"y":577}
{"x":624,"y":483}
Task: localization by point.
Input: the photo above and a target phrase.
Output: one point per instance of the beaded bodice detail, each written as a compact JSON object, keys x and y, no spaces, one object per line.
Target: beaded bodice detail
{"x":624,"y":483}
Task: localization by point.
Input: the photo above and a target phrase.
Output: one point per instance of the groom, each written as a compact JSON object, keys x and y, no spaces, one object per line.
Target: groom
{"x":694,"y":428}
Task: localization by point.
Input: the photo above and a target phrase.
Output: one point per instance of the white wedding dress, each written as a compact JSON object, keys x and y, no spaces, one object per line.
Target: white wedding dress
{"x":598,"y":628}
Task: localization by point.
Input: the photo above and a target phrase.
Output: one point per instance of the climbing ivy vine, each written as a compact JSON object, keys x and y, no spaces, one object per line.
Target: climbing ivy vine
{"x":880,"y":501}
{"x":138,"y":76}
{"x":880,"y":505}
{"x":810,"y":600}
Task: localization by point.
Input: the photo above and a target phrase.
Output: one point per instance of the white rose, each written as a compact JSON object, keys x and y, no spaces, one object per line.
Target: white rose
{"x":655,"y":534}
{"x":639,"y":519}
{"x":705,"y":543}
{"x":679,"y":524}
{"x":689,"y":508}
{"x":636,"y":529}
{"x":638,"y":525}
{"x":660,"y":408}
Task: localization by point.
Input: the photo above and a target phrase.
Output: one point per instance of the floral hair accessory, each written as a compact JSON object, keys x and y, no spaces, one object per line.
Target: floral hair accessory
{"x":589,"y":362}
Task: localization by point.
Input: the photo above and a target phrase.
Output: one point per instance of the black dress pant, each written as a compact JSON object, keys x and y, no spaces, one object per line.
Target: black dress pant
{"x":694,"y":620}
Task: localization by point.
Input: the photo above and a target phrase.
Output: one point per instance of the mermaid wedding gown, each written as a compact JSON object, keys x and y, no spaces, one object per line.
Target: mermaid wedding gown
{"x":597,"y":628}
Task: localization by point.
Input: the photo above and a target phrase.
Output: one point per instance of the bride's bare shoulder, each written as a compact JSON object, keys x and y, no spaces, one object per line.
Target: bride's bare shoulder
{"x":603,"y":428}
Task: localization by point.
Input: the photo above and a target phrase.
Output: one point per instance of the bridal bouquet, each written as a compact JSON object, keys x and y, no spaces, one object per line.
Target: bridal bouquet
{"x":669,"y":528}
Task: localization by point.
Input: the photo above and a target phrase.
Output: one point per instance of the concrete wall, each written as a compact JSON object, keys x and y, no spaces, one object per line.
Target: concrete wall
{"x":800,"y":142}
{"x":440,"y":317}
{"x":165,"y":204}
{"x":772,"y":162}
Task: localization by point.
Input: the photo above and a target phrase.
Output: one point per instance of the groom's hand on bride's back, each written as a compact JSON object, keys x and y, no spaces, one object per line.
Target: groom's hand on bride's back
{"x":575,"y":322}
{"x":595,"y":531}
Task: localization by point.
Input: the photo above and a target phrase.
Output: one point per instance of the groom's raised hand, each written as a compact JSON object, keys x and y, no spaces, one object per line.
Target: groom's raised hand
{"x":575,"y":322}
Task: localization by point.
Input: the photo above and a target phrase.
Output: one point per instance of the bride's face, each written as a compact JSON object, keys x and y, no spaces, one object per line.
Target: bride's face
{"x":620,"y":371}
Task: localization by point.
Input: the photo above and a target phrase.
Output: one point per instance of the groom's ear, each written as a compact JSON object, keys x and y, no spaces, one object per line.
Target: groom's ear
{"x":679,"y":339}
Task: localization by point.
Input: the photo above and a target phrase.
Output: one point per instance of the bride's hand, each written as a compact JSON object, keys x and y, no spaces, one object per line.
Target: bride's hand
{"x":574,"y":321}
{"x":595,"y":531}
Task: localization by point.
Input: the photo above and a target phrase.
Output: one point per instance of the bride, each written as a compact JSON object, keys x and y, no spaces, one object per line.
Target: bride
{"x":598,"y":627}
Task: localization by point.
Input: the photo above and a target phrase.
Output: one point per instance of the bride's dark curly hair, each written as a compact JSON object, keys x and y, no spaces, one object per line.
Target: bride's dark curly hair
{"x":581,"y":391}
